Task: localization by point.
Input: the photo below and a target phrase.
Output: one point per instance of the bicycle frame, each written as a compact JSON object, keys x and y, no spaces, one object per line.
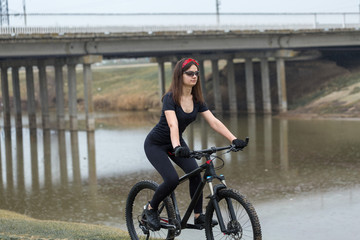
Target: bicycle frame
{"x":208,"y":176}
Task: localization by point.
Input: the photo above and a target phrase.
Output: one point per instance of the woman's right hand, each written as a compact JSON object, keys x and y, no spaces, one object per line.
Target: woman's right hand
{"x":182,"y":152}
{"x":239,"y":144}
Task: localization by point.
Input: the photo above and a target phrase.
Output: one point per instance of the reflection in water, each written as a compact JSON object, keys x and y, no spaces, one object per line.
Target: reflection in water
{"x":252,"y":135}
{"x":75,"y":157}
{"x":8,"y":156}
{"x":268,"y":140}
{"x":47,"y":158}
{"x":34,"y":160}
{"x":284,"y":157}
{"x":86,"y":176}
{"x":62,"y":158}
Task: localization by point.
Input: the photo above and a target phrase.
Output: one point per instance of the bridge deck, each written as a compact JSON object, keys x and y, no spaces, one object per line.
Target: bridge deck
{"x":153,"y":44}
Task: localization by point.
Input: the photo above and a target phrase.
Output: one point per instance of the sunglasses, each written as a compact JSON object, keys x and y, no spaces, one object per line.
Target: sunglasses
{"x":192,"y":73}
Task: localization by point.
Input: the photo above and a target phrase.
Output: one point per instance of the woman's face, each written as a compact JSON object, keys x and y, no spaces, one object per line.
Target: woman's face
{"x":190,"y":76}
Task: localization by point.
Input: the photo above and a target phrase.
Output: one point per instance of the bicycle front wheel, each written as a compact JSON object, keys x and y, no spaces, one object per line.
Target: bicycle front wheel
{"x":239,"y":216}
{"x":140,"y":194}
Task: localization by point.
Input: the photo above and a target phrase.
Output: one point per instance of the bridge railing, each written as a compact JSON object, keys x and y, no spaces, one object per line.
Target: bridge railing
{"x":151,"y":22}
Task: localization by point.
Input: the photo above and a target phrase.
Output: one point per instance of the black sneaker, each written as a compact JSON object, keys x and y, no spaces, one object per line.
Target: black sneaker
{"x":152,"y":218}
{"x":200,"y":221}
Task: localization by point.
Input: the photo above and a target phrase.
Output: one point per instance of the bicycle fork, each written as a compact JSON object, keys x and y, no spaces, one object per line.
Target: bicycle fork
{"x":213,"y":194}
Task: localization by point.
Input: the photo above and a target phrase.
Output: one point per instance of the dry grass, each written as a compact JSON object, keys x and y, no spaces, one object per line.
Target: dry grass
{"x":17,"y":226}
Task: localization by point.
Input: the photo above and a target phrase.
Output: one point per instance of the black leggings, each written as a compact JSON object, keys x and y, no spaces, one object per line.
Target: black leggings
{"x":158,"y":157}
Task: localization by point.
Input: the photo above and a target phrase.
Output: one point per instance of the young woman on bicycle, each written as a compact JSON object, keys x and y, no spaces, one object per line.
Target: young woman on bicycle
{"x":181,"y":104}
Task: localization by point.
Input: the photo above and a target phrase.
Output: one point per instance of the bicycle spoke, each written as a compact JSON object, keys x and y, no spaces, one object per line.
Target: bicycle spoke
{"x":139,"y":196}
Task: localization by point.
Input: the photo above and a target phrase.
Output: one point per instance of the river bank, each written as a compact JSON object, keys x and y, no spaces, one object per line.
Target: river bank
{"x":16,"y":226}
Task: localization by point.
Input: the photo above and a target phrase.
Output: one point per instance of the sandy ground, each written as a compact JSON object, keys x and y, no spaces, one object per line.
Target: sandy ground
{"x":320,"y":216}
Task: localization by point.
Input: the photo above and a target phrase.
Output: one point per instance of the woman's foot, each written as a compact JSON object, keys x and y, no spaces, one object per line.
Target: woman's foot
{"x":152,"y":218}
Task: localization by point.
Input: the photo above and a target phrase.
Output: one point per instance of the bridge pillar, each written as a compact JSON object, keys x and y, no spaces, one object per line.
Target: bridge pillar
{"x":89,"y":105}
{"x":281,"y":81}
{"x":202,"y":78}
{"x":16,"y":96}
{"x":71,"y":67}
{"x":30,"y":90}
{"x":216,"y":85}
{"x":59,"y":86}
{"x":265,"y":83}
{"x":161,"y":70}
{"x":5,"y":96}
{"x":173,"y":64}
{"x":231,"y":85}
{"x":250,"y":93}
{"x":44,"y":97}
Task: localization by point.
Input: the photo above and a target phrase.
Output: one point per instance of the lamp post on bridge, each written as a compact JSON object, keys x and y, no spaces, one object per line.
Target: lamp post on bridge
{"x":359,"y":11}
{"x":24,"y":9}
{"x":217,"y":12}
{"x":4,"y":13}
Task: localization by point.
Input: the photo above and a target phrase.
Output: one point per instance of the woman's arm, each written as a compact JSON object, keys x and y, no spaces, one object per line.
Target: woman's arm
{"x":217,"y":125}
{"x":174,"y":127}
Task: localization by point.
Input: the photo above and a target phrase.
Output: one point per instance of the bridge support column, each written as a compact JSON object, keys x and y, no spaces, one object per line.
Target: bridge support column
{"x":202,"y":78}
{"x":89,"y":105}
{"x":30,"y":96}
{"x":59,"y":85}
{"x":43,"y":95}
{"x":250,"y":93}
{"x":72,"y":95}
{"x":161,"y":70}
{"x":216,"y":86}
{"x":280,"y":69}
{"x":265,"y":83}
{"x":16,"y":96}
{"x":231,"y":85}
{"x":5,"y":96}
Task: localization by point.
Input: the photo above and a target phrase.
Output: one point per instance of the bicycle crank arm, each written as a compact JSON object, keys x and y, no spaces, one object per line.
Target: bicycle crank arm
{"x":168,"y":226}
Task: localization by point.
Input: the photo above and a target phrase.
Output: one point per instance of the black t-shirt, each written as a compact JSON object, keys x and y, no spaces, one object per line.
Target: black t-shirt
{"x":161,"y":132}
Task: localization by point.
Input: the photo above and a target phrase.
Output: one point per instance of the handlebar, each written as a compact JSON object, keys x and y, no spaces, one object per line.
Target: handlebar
{"x":205,"y":152}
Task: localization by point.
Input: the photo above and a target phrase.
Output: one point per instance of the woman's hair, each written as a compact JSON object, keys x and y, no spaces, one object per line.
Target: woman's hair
{"x":176,"y":85}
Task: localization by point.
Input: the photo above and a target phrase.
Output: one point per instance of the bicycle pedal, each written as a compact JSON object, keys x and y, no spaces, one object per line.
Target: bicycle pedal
{"x":195,"y":226}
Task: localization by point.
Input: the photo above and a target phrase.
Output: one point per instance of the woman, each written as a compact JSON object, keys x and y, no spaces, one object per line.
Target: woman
{"x":181,"y":104}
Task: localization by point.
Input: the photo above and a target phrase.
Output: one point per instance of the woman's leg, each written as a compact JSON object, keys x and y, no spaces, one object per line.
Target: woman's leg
{"x":188,"y":165}
{"x":158,"y":157}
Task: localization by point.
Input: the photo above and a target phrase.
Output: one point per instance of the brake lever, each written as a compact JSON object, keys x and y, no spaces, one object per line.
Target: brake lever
{"x":232,"y":149}
{"x":196,"y":155}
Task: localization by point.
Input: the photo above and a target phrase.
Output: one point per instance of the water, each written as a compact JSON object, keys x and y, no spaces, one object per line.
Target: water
{"x":301,"y":175}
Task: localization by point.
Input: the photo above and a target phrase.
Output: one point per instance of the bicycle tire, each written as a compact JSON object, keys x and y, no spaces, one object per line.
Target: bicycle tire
{"x":139,"y":195}
{"x":247,"y":224}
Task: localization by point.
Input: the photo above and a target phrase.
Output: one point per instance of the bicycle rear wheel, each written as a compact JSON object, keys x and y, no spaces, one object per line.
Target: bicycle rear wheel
{"x":246,"y":224}
{"x":140,"y":194}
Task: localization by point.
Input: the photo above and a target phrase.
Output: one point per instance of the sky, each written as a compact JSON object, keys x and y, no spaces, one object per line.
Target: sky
{"x":159,"y":6}
{"x":172,"y":6}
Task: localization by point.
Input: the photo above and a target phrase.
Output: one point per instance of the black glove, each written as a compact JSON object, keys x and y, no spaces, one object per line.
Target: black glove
{"x":182,"y":151}
{"x":239,"y":144}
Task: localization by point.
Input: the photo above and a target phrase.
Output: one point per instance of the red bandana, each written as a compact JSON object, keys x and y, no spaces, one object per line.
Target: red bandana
{"x":189,"y":60}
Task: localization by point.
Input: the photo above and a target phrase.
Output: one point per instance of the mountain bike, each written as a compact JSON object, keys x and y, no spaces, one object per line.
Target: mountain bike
{"x":237,"y":218}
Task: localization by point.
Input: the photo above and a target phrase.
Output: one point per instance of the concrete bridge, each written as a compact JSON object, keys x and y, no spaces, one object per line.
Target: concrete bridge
{"x":85,"y":48}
